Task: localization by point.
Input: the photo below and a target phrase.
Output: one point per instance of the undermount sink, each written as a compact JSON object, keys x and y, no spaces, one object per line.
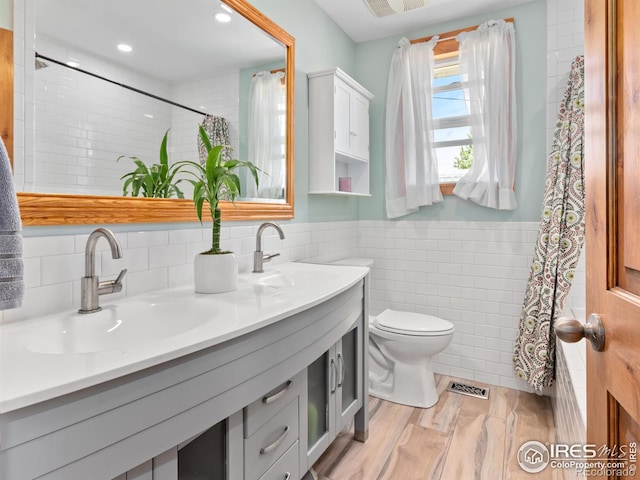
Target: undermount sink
{"x":120,"y":327}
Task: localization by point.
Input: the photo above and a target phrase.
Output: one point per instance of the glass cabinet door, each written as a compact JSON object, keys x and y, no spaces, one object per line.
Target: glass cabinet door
{"x":318,"y":407}
{"x":347,"y":363}
{"x":317,"y":376}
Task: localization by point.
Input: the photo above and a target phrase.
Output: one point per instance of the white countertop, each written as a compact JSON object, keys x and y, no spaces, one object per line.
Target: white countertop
{"x":40,"y":359}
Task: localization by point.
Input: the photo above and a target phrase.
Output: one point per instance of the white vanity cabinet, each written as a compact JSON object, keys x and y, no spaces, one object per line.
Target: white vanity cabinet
{"x":338,"y":134}
{"x":335,"y":391}
{"x":244,"y":402}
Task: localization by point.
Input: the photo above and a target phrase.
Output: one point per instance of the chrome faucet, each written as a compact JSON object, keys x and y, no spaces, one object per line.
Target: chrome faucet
{"x":258,"y":257}
{"x":90,"y":285}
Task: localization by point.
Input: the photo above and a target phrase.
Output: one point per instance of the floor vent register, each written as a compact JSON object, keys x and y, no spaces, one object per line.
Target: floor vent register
{"x":470,"y":390}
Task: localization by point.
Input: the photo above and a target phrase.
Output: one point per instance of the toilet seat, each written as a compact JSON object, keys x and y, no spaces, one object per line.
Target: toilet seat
{"x":413,"y":324}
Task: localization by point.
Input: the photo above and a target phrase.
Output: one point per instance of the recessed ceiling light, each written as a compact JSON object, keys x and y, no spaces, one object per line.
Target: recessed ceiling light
{"x":226,"y":7}
{"x":223,"y":17}
{"x":73,"y":64}
{"x":123,"y":47}
{"x":148,"y":115}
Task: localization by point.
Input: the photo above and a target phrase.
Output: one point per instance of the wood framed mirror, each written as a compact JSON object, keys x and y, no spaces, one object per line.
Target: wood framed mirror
{"x":71,"y":208}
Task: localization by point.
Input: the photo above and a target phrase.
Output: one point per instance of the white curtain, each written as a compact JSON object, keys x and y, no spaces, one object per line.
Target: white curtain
{"x":412,"y":170}
{"x":487,"y":63}
{"x":266,"y":130}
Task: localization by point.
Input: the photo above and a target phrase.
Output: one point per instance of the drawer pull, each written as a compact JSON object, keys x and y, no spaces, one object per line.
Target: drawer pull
{"x":276,"y":396}
{"x":276,"y":444}
{"x":341,"y":368}
{"x":287,"y":476}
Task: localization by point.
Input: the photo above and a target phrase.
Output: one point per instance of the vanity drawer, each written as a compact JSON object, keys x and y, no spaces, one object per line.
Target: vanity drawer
{"x":287,"y":466}
{"x":271,"y":440}
{"x":259,"y":412}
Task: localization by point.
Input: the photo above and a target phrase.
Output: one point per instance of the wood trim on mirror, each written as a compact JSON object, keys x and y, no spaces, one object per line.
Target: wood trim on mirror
{"x":60,"y":209}
{"x":6,"y":90}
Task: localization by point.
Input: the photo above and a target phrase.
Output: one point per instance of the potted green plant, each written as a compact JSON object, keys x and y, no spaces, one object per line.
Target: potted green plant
{"x":215,"y":270}
{"x":155,"y":180}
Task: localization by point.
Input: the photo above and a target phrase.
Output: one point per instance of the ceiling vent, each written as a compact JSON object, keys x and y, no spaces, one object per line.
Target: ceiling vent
{"x":382,"y":8}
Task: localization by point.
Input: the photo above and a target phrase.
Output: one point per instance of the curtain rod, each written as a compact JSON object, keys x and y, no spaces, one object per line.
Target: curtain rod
{"x":123,"y":85}
{"x":452,"y":34}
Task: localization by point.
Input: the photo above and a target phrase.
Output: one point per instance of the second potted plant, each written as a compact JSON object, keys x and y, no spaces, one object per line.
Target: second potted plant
{"x":215,"y":270}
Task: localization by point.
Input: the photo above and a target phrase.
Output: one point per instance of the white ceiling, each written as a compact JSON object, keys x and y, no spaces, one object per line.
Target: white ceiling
{"x":169,"y":41}
{"x":356,"y":19}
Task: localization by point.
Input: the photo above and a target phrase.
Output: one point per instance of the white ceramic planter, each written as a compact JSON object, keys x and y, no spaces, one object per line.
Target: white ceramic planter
{"x":215,"y":273}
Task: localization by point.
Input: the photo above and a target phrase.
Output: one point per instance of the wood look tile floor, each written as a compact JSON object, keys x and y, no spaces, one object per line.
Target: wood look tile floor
{"x":460,"y":438}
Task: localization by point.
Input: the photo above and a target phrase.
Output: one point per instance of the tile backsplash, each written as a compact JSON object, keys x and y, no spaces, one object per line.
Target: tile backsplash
{"x":157,"y":259}
{"x":473,"y":274}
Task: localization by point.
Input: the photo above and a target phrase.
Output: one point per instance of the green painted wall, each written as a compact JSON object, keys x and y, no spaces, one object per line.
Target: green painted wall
{"x":6,"y":14}
{"x":372,"y":70}
{"x":321,"y":44}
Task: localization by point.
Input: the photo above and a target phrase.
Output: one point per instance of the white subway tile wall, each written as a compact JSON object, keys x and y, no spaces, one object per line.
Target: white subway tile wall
{"x":569,"y":416}
{"x":473,"y":274}
{"x":565,"y":41}
{"x":157,"y":259}
{"x":217,"y":95}
{"x":84,"y":124}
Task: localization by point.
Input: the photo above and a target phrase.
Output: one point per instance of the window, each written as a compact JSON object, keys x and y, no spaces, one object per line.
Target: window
{"x":452,"y":131}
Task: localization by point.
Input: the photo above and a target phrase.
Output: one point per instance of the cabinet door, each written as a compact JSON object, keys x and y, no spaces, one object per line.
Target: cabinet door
{"x":350,"y":375}
{"x":341,"y":119}
{"x":359,"y":126}
{"x":215,"y":454}
{"x":321,"y":382}
{"x":203,"y":458}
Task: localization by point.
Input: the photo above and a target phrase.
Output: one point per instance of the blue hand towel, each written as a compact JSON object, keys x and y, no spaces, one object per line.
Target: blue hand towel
{"x":11,"y":266}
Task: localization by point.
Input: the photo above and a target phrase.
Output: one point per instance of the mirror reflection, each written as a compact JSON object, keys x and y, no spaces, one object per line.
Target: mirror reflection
{"x":112,"y":78}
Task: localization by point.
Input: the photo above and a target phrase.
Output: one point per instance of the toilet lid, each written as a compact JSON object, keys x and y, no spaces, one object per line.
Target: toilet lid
{"x":409,"y":323}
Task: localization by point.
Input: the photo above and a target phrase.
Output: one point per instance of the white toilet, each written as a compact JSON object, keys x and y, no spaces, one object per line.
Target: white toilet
{"x":401,"y":345}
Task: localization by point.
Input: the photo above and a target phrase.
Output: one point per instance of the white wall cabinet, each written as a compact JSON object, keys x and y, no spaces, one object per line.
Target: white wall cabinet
{"x":338,"y":134}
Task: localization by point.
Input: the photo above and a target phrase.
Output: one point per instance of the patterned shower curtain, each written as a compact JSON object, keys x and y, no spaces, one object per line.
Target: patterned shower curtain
{"x":559,"y":243}
{"x":218,"y":130}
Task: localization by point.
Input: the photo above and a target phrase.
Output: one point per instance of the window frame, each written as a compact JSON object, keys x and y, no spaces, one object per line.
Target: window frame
{"x":446,"y":48}
{"x":447,"y":60}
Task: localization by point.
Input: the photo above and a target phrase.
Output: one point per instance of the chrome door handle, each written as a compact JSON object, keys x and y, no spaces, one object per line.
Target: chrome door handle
{"x":341,"y":369}
{"x":333,"y":374}
{"x":571,"y":330}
